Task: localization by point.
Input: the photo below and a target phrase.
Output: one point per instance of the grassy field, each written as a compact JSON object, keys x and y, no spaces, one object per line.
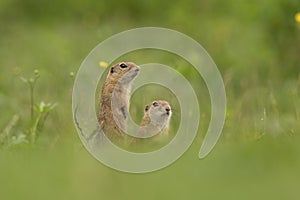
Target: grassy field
{"x":256,"y":48}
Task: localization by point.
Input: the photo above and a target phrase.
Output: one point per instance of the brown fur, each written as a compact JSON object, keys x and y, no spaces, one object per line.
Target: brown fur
{"x":117,"y":85}
{"x":156,"y":118}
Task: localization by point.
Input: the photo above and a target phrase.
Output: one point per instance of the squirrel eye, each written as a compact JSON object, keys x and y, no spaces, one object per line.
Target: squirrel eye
{"x":123,"y":65}
{"x":155,"y":104}
{"x":146,"y":108}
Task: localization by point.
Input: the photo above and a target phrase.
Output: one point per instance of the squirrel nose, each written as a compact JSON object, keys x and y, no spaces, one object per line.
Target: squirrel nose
{"x":137,"y":69}
{"x":168,"y":111}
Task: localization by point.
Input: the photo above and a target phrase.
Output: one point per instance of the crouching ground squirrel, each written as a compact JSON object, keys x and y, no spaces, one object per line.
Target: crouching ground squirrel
{"x":115,"y":97}
{"x":156,"y":119}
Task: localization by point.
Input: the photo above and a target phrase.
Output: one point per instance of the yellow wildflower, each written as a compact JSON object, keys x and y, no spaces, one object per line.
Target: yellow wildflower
{"x":103,"y":64}
{"x":297,"y":17}
{"x":72,"y":74}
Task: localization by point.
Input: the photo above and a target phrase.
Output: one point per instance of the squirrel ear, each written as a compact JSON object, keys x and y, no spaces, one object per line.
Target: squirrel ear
{"x":112,"y":70}
{"x":146,"y":108}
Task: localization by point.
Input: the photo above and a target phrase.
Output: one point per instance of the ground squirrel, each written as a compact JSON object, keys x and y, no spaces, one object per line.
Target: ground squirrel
{"x":115,"y":97}
{"x":156,"y":118}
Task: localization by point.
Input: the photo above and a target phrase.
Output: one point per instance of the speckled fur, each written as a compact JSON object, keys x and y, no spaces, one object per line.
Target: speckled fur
{"x":156,"y":119}
{"x":118,"y":86}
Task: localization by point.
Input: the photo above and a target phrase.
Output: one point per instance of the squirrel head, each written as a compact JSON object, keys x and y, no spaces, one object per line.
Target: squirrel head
{"x":123,"y":72}
{"x":159,"y":112}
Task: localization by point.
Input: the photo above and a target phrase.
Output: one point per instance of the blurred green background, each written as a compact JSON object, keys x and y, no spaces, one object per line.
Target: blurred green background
{"x":256,"y":47}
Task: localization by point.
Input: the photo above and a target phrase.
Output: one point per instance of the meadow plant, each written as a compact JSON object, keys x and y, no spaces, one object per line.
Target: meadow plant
{"x":38,"y":115}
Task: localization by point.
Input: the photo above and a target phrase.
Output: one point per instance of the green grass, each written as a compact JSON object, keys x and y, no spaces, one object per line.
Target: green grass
{"x":246,"y":170}
{"x":256,"y":47}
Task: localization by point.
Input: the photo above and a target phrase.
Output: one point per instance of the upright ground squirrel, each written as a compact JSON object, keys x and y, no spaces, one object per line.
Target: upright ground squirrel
{"x":156,"y":118}
{"x":115,"y":97}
